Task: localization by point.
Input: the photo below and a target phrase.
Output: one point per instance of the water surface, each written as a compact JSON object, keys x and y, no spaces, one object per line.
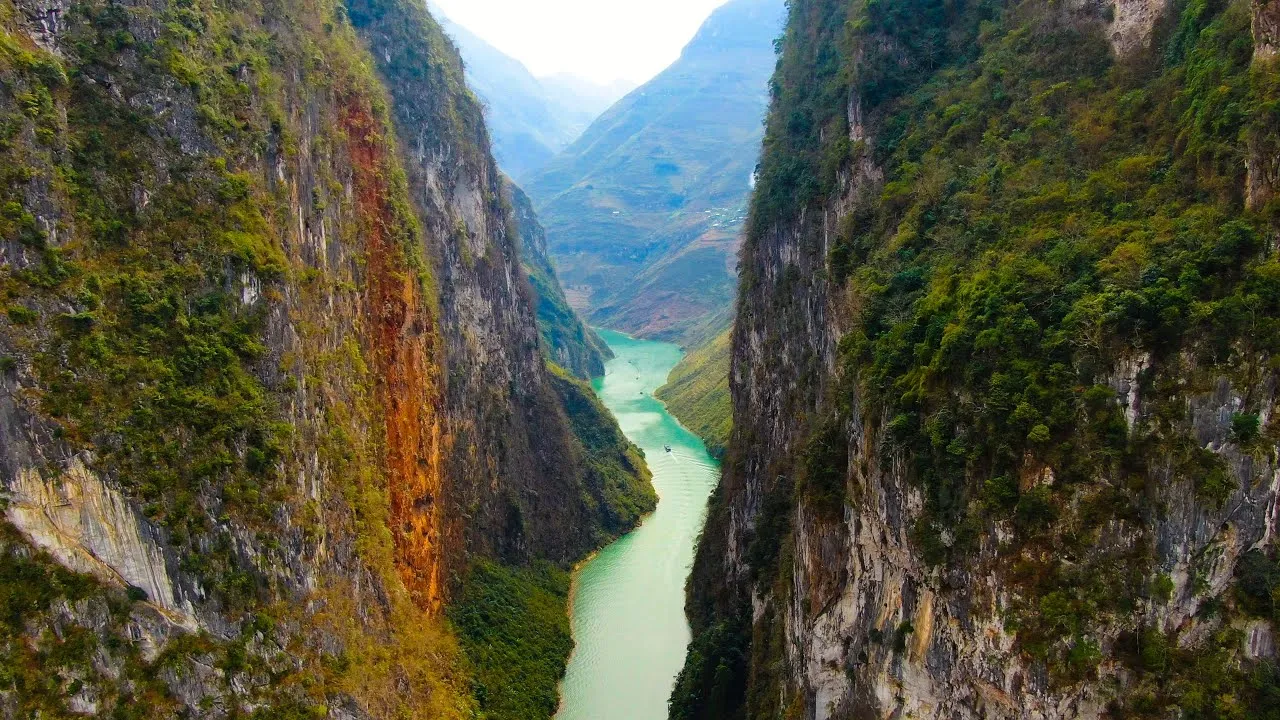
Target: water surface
{"x":628,"y":601}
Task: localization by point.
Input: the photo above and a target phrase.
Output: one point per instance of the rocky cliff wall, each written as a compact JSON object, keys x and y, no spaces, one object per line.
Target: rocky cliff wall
{"x":908,"y":524}
{"x":202,"y":277}
{"x":269,"y":374}
{"x":572,"y":344}
{"x":511,"y":448}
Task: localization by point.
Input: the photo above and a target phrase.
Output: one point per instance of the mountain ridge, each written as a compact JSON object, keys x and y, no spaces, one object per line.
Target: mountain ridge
{"x":641,"y":204}
{"x":531,"y":119}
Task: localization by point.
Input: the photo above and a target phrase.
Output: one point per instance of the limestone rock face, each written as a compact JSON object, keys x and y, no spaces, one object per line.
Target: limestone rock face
{"x":862,"y":577}
{"x":1128,"y":25}
{"x":1266,"y":29}
{"x":1133,"y":24}
{"x":91,"y":528}
{"x":270,"y":376}
{"x":862,"y":608}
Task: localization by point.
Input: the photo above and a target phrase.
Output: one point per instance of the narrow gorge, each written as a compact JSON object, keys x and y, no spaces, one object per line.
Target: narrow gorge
{"x":935,"y":373}
{"x":629,"y":627}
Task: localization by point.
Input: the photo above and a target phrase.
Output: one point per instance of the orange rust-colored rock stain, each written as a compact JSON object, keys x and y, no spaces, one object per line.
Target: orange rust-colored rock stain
{"x":401,"y":343}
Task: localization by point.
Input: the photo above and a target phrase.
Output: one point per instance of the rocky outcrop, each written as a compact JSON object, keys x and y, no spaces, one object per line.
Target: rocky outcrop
{"x":1132,"y":24}
{"x":91,"y":528}
{"x":1129,"y":25}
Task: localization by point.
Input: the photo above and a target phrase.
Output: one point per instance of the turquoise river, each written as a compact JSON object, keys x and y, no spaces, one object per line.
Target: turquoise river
{"x":628,"y":600}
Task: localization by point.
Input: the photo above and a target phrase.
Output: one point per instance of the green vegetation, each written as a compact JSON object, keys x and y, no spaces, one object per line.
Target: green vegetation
{"x":714,"y":680}
{"x":617,"y":480}
{"x":1258,"y":587}
{"x":30,"y":585}
{"x":19,"y":315}
{"x":697,"y":393}
{"x":711,"y":684}
{"x":1028,"y":214}
{"x":825,"y":463}
{"x":514,"y":628}
{"x":1204,"y":681}
{"x":808,"y":98}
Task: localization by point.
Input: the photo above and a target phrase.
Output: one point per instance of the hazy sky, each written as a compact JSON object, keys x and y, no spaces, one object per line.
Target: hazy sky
{"x":603,"y":40}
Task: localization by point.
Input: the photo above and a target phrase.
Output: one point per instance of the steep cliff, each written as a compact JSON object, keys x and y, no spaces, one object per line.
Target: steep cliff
{"x":572,"y":344}
{"x":1003,"y":372}
{"x":270,"y":380}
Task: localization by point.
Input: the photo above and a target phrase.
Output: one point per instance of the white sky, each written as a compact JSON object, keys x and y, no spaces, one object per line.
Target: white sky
{"x":602,"y":40}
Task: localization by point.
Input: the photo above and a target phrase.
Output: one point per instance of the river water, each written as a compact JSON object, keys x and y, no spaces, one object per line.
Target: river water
{"x":628,"y":601}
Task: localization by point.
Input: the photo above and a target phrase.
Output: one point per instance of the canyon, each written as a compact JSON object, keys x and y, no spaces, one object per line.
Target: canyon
{"x":981,"y":327}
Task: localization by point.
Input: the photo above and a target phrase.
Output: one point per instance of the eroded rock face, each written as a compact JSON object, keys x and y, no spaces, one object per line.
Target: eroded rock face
{"x":92,"y":528}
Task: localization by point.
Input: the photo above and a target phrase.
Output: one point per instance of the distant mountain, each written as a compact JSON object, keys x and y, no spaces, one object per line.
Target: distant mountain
{"x":570,"y":343}
{"x":526,"y":125}
{"x":643,"y":211}
{"x":582,"y":98}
